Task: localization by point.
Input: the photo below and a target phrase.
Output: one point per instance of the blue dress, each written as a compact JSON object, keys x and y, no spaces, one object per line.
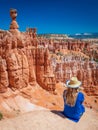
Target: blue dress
{"x":75,"y":112}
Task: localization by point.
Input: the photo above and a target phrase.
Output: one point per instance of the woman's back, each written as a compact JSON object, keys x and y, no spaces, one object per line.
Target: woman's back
{"x":74,"y":112}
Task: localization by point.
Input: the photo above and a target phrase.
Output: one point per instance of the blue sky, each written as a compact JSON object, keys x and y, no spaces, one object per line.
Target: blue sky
{"x":52,"y":16}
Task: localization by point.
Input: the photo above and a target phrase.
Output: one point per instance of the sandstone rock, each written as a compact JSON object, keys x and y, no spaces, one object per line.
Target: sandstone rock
{"x":4,"y":81}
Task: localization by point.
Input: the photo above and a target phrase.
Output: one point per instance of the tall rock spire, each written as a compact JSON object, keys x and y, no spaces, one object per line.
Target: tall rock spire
{"x":14,"y":25}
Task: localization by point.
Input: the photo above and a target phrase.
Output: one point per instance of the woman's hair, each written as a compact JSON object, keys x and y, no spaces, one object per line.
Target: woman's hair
{"x":71,"y":96}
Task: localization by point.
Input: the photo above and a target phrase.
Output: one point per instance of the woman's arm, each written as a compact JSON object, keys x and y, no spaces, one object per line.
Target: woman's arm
{"x":64,"y":95}
{"x":82,"y":98}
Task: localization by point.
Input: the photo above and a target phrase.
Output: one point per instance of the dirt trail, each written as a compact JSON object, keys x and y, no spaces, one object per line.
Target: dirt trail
{"x":47,"y":120}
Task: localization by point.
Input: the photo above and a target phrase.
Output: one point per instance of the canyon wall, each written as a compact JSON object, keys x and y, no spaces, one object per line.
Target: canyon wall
{"x":22,"y":62}
{"x":27,"y":59}
{"x":72,"y":57}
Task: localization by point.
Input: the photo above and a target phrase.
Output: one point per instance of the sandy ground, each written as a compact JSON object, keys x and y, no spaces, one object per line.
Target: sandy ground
{"x":50,"y":120}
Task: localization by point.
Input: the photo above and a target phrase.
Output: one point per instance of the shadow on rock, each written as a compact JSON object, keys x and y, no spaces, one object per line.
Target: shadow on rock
{"x":59,"y":113}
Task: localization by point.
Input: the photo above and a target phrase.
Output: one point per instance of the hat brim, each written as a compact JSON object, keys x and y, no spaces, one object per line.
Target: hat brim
{"x":73,"y":86}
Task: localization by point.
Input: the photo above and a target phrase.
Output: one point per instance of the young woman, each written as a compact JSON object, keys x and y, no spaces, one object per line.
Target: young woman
{"x":73,"y":99}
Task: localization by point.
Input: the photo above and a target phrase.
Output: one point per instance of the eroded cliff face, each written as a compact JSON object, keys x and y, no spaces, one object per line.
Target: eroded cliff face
{"x":86,"y":71}
{"x":14,"y":63}
{"x":26,"y":59}
{"x":72,"y":57}
{"x":23,"y":63}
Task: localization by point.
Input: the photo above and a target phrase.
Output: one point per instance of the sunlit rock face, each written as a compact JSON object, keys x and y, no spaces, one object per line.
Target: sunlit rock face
{"x":23,"y":62}
{"x":73,"y":57}
{"x":27,"y":59}
{"x":86,"y":71}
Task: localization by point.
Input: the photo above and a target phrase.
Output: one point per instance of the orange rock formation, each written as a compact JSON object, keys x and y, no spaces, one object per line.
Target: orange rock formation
{"x":22,"y":60}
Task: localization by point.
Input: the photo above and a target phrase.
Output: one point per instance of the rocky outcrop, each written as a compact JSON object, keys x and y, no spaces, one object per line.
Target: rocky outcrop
{"x":72,"y":57}
{"x":44,"y":73}
{"x":85,"y":70}
{"x":4,"y":81}
{"x":25,"y":62}
{"x":14,"y":25}
{"x":22,"y":61}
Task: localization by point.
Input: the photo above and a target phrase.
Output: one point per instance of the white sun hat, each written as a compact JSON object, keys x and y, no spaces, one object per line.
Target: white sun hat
{"x":73,"y":83}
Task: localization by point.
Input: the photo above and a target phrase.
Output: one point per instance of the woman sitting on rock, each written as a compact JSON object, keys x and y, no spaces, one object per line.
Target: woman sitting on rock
{"x":73,"y":99}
